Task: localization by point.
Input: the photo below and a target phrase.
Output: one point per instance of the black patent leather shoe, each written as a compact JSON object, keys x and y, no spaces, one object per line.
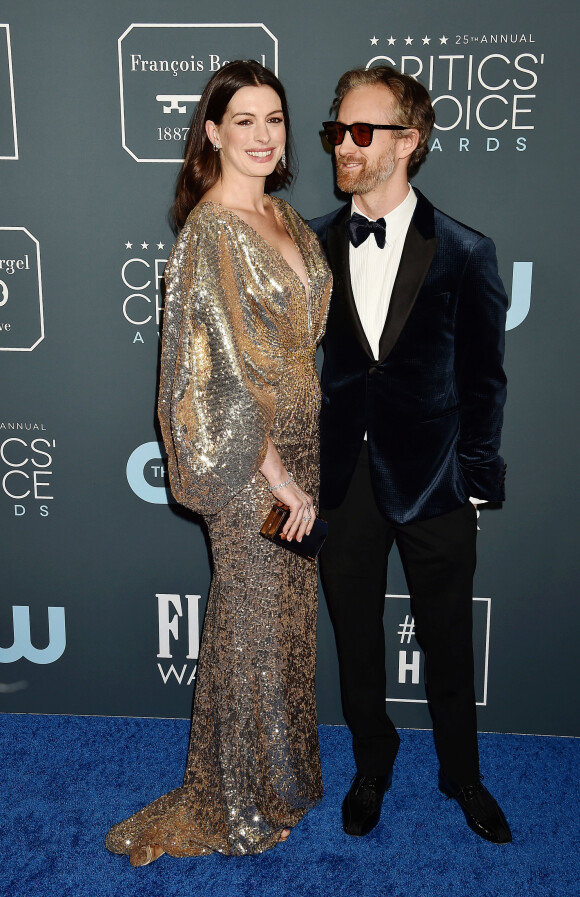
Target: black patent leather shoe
{"x":361,"y":809}
{"x":482,"y":812}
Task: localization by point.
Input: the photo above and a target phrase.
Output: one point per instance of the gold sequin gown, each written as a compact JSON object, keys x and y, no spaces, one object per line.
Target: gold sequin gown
{"x":239,"y":340}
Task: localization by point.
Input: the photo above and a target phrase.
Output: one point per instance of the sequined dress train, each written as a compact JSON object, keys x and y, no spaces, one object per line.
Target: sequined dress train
{"x":239,"y":340}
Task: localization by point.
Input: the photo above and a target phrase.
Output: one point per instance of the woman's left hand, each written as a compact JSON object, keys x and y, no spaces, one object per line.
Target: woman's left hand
{"x":302,"y":513}
{"x":286,"y":489}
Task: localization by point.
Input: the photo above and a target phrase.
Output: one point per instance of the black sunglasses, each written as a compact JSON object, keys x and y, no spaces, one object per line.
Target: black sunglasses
{"x":361,"y":132}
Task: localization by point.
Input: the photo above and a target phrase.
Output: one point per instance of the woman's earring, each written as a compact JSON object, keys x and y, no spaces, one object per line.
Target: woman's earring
{"x":283,"y":159}
{"x":216,"y":148}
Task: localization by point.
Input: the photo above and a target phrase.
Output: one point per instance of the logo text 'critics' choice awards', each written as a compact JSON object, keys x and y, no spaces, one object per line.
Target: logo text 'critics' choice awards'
{"x":481,"y":85}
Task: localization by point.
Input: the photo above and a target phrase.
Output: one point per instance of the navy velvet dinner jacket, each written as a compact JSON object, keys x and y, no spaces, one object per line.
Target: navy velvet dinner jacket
{"x":432,"y":403}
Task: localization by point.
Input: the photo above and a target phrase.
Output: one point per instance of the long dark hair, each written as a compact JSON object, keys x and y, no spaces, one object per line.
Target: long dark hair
{"x":201,"y":165}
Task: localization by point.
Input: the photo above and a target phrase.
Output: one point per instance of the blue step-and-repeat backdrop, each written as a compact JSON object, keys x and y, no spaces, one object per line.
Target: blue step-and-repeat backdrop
{"x":103,"y":580}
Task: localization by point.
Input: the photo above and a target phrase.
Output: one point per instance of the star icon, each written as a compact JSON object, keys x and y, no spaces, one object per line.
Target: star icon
{"x":443,"y":40}
{"x":128,"y":245}
{"x":144,"y":245}
{"x":374,"y":41}
{"x":391,"y":41}
{"x":161,"y":246}
{"x":408,"y":40}
{"x":426,"y":40}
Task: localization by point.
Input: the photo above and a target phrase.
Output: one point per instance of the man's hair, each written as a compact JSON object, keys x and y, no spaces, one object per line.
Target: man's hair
{"x":412,"y":104}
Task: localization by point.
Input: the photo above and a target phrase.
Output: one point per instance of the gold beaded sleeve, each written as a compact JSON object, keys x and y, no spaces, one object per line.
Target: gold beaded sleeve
{"x":216,"y":397}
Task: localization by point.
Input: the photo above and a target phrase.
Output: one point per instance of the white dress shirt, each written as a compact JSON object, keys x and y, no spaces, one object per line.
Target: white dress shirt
{"x":373,"y":270}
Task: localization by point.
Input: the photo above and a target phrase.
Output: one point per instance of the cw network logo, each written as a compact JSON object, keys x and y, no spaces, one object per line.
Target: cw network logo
{"x":22,"y":647}
{"x":170,"y":613}
{"x":521,"y":294}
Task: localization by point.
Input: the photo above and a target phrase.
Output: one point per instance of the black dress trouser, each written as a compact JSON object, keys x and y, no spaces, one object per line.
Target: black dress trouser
{"x":438,"y":557}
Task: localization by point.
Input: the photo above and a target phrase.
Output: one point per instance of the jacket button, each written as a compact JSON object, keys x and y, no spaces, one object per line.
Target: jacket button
{"x":373,"y":370}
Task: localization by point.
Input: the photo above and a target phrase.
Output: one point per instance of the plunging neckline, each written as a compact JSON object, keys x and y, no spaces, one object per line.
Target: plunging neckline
{"x":278,"y":214}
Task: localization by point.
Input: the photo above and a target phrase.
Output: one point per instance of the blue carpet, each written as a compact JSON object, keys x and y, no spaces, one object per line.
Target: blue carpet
{"x":67,"y":779}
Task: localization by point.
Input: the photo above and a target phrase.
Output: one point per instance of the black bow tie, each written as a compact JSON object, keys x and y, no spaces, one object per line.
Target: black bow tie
{"x":359,"y":228}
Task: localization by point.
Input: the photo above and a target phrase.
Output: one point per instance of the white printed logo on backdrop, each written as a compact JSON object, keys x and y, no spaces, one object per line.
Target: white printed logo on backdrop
{"x":484,"y":86}
{"x":484,"y":89}
{"x":21,"y":310}
{"x":8,"y":132}
{"x":405,"y":664}
{"x":162,"y":72}
{"x":141,"y":279}
{"x":26,"y":462}
{"x":178,"y":638}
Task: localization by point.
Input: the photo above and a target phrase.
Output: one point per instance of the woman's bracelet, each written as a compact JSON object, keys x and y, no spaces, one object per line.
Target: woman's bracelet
{"x":281,"y":485}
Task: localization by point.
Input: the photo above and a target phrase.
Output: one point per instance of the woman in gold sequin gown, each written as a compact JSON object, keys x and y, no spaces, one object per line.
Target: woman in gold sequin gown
{"x":246,"y":299}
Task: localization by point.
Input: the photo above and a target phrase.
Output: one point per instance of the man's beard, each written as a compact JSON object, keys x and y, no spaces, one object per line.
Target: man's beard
{"x":370,"y":176}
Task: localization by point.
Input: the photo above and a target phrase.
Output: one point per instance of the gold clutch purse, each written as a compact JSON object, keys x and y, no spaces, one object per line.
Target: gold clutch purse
{"x":310,"y":544}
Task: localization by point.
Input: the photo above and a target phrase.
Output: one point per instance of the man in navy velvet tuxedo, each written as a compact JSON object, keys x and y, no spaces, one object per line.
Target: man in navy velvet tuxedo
{"x":412,"y":404}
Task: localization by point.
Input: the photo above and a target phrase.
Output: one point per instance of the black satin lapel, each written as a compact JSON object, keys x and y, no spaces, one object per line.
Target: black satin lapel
{"x":337,"y":244}
{"x":416,"y":260}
